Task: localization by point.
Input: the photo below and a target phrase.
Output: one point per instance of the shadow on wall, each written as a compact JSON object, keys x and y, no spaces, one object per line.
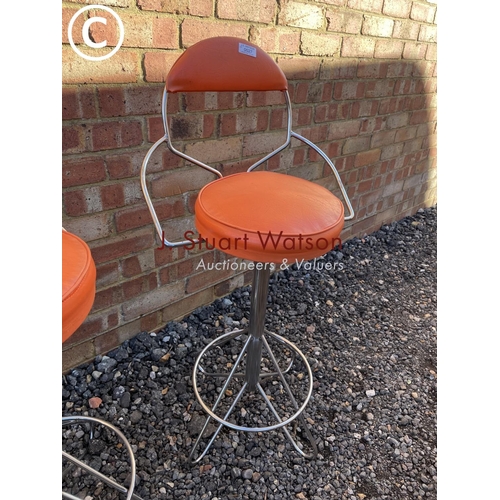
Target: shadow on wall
{"x":375,"y":120}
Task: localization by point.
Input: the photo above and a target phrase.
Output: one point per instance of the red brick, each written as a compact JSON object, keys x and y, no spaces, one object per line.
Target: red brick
{"x":211,"y":151}
{"x":364,"y":186}
{"x":112,"y":196}
{"x":72,"y":140}
{"x":427,"y":33}
{"x":414,"y":50}
{"x":315,"y":134}
{"x":195,"y":30}
{"x":379,"y":88}
{"x":391,"y":151}
{"x":179,"y":309}
{"x":307,"y":93}
{"x":229,"y":168}
{"x":349,"y":90}
{"x":337,"y":111}
{"x":337,"y":3}
{"x":372,"y":70}
{"x":114,"y":248}
{"x":382,"y":138}
{"x":108,"y":297}
{"x":140,"y":216}
{"x":74,"y":203}
{"x":364,"y":108}
{"x":371,"y":125}
{"x":176,"y":182}
{"x":300,"y":15}
{"x":344,"y":21}
{"x":111,"y":135}
{"x":155,"y":128}
{"x":424,"y":69}
{"x":356,"y":144}
{"x":431,"y":54}
{"x":226,"y":100}
{"x":67,"y":14}
{"x":158,"y":64}
{"x":317,"y":44}
{"x":243,"y":122}
{"x":421,"y":116}
{"x":406,"y":29}
{"x":78,"y":103}
{"x":152,"y":300}
{"x":261,"y":144}
{"x":339,"y":69}
{"x":299,"y":68}
{"x":397,"y":120}
{"x":409,"y":86}
{"x":377,"y":26}
{"x":260,"y":11}
{"x":423,"y":12}
{"x":367,"y":157}
{"x":388,"y":49}
{"x":413,"y":145}
{"x":125,"y":165}
{"x":139,"y":286}
{"x":277,"y":40}
{"x":166,"y":255}
{"x":366,"y":5}
{"x":185,"y":127}
{"x":146,"y":100}
{"x":83,"y":171}
{"x":397,"y":8}
{"x":343,"y":129}
{"x":206,"y":279}
{"x":399,"y":69}
{"x":107,"y":274}
{"x":202,"y":8}
{"x":89,"y":227}
{"x":123,"y":67}
{"x":357,"y":47}
{"x":405,"y":134}
{"x":111,"y":101}
{"x":151,"y":322}
{"x":165,"y":33}
{"x":108,"y":32}
{"x":209,"y":125}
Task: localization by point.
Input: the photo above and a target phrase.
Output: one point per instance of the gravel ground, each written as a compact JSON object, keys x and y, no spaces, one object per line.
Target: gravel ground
{"x":368,"y":329}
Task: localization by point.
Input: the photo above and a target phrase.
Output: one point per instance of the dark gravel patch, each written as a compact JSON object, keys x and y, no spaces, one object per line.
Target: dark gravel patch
{"x":368,"y":328}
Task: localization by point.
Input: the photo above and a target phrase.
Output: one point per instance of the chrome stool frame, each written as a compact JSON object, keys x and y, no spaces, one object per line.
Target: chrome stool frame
{"x":69,"y":420}
{"x":256,"y":340}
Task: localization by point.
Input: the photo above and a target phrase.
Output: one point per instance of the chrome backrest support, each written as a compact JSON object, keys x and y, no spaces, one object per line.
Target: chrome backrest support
{"x":167,"y":139}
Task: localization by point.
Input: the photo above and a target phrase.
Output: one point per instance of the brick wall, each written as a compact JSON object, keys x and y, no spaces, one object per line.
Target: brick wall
{"x":362,"y":77}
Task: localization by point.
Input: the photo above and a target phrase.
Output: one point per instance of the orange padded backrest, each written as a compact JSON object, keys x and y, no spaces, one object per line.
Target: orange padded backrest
{"x":225,"y":64}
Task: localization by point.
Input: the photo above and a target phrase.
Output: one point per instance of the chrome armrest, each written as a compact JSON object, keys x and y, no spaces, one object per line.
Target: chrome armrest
{"x":334,"y":170}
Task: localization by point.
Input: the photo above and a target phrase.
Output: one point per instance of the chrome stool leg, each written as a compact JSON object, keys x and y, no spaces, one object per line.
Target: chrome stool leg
{"x":66,"y":421}
{"x":252,"y":375}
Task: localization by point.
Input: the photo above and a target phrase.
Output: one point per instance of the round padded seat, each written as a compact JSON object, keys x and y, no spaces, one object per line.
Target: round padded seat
{"x":267,"y":217}
{"x":78,"y":283}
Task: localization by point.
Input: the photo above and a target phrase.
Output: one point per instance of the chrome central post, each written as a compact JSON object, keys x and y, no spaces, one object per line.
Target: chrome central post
{"x":258,"y":303}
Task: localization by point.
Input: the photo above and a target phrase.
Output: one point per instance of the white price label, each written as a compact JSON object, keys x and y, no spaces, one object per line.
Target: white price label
{"x":247,"y":50}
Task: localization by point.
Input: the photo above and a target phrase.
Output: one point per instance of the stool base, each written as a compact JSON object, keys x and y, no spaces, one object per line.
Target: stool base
{"x":266,"y":372}
{"x":66,"y":421}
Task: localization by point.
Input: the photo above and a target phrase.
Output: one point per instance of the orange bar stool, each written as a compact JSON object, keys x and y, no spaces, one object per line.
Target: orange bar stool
{"x":269,"y":218}
{"x":78,"y":292}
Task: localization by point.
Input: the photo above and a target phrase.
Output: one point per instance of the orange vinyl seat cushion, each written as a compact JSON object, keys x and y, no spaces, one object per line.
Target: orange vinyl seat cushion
{"x":78,"y":283}
{"x":267,"y":217}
